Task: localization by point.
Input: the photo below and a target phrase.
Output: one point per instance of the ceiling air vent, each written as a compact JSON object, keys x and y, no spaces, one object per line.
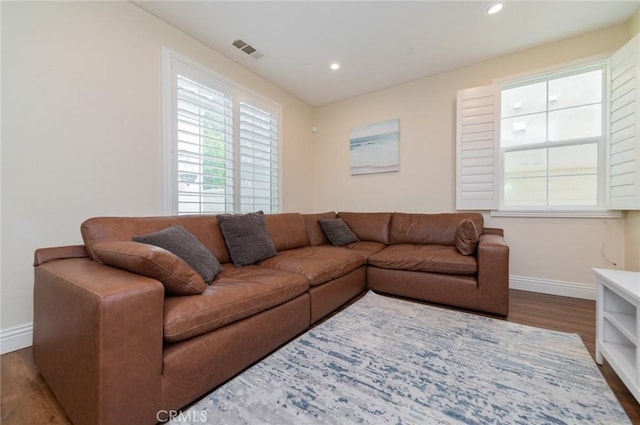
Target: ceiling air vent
{"x":247,"y":48}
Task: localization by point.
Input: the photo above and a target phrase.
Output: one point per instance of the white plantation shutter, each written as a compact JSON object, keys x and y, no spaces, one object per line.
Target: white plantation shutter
{"x":204,"y":148}
{"x":221,"y":143}
{"x":624,"y":119}
{"x":478,"y":139}
{"x":258,"y":159}
{"x":477,"y":148}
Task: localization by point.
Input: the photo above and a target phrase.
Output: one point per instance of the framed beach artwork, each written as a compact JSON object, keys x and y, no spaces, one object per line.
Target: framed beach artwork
{"x":374,"y":147}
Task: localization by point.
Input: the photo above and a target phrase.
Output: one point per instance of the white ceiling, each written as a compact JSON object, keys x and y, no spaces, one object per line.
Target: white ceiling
{"x":378,"y":43}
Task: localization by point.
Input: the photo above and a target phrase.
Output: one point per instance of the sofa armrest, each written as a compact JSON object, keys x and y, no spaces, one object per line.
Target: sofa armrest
{"x":44,"y":255}
{"x":493,"y":273}
{"x":493,"y":231}
{"x":97,"y":340}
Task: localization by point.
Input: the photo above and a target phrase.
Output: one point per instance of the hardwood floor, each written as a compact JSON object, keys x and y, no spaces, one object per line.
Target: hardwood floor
{"x":569,"y":315}
{"x":26,"y":399}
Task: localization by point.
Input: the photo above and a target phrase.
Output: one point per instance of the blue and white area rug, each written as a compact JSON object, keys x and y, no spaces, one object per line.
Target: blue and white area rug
{"x":389,"y":361}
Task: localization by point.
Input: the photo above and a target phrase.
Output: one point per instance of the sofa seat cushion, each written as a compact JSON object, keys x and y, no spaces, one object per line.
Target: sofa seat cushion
{"x":235,"y":294}
{"x":425,"y":258}
{"x":318,"y":264}
{"x":366,"y":248}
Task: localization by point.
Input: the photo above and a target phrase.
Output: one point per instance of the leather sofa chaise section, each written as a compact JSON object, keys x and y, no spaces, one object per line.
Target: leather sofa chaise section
{"x":116,"y":349}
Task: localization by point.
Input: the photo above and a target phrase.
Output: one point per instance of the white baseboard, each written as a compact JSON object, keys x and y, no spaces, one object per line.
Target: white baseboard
{"x":553,"y":287}
{"x":15,"y":338}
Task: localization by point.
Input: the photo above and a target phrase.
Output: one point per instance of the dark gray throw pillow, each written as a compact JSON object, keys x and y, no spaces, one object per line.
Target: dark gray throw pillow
{"x":185,"y":245}
{"x":247,"y":237}
{"x":337,"y":231}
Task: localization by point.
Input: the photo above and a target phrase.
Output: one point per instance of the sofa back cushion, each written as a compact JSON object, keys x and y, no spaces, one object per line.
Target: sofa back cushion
{"x":368,"y":226}
{"x":314,"y":231}
{"x":204,"y":227}
{"x":423,"y":229}
{"x":287,"y":230}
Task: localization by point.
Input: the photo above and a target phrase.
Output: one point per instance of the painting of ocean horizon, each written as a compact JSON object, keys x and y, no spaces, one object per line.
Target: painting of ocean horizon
{"x":374,"y":147}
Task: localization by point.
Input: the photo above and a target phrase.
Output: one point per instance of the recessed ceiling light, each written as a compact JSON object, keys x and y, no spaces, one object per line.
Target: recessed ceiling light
{"x":334,"y":66}
{"x":495,"y":8}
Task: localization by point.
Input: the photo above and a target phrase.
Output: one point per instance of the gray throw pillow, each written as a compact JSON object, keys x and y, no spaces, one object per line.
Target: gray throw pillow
{"x":337,"y":231}
{"x":247,"y":237}
{"x":185,"y":245}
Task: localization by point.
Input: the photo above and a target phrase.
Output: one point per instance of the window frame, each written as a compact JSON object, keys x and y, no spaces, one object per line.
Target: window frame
{"x":477,"y":145}
{"x":174,"y":63}
{"x":545,"y":75}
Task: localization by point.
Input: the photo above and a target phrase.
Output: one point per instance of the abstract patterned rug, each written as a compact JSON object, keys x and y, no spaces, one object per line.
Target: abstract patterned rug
{"x":389,"y":361}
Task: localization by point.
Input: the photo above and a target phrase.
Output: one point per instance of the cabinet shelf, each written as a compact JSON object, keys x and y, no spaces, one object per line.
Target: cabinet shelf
{"x":622,"y":358}
{"x":625,"y":323}
{"x":617,"y":333}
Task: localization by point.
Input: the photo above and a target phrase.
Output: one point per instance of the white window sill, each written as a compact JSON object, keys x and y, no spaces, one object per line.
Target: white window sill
{"x":558,"y":214}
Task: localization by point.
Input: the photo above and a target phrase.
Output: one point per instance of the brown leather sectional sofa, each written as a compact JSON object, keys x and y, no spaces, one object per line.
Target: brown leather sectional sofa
{"x":115,"y":349}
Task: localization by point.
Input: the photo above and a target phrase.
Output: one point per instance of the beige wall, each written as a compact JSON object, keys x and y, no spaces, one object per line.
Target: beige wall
{"x":81,"y":126}
{"x":544,"y":251}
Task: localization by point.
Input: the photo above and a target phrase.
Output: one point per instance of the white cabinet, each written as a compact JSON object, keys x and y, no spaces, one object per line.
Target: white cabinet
{"x":618,"y":324}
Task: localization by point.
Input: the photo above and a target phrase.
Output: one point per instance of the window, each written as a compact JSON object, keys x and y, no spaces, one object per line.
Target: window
{"x":564,"y":142}
{"x":221,"y":144}
{"x":552,"y":142}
